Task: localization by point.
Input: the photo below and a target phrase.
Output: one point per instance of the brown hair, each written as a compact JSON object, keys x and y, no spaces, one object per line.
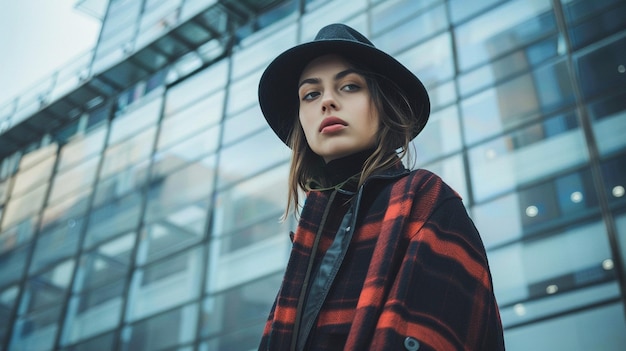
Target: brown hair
{"x":397,"y":126}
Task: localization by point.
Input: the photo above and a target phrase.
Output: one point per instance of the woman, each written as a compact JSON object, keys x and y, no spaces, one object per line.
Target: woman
{"x":383,"y":258}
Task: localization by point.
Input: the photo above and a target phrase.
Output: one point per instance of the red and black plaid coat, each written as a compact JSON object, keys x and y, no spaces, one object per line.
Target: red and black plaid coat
{"x":415,"y":275}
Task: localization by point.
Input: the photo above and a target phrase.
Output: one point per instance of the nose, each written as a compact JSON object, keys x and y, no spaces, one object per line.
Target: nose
{"x":329,"y":102}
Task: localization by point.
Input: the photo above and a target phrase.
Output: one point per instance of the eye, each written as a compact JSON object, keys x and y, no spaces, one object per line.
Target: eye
{"x":310,"y":95}
{"x":350,"y":87}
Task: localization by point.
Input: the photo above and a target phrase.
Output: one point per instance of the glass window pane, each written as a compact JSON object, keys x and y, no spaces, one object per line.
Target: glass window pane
{"x":121,"y":183}
{"x":8,"y":299}
{"x":20,"y":208}
{"x":56,"y":243}
{"x":36,"y":331}
{"x":261,"y":51}
{"x":516,"y":101}
{"x":48,"y":288}
{"x":12,"y":264}
{"x":72,"y":206}
{"x":581,"y":331}
{"x":163,"y":331}
{"x":600,"y":19}
{"x":431,"y":61}
{"x":25,"y":180}
{"x":165,"y":284}
{"x":134,"y":119}
{"x":508,"y":66}
{"x":243,"y":93}
{"x":244,"y":305}
{"x":389,"y":13}
{"x":105,"y":264}
{"x":231,"y":265}
{"x":440,"y":137}
{"x":415,"y":28}
{"x":250,"y":156}
{"x":602,"y":70}
{"x":331,"y":12}
{"x":243,"y":124}
{"x":93,"y":312}
{"x":569,"y":261}
{"x":80,"y":177}
{"x":568,"y":196}
{"x":79,"y":149}
{"x":608,"y":118}
{"x":190,"y":184}
{"x":196,"y":87}
{"x":17,"y":235}
{"x":503,"y":29}
{"x":245,"y":338}
{"x":192,"y":120}
{"x":128,"y":153}
{"x":102,"y":342}
{"x":250,"y":202}
{"x":526,"y":155}
{"x":186,"y":151}
{"x":118,"y":216}
{"x":614,"y":176}
{"x":462,"y":9}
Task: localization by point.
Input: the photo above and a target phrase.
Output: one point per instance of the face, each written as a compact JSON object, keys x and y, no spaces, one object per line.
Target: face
{"x":336,"y":111}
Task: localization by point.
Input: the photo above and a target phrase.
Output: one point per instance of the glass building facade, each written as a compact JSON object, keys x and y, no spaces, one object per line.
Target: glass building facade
{"x":140,"y":188}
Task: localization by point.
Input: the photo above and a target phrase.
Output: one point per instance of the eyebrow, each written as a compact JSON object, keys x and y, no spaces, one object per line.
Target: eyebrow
{"x":337,"y":77}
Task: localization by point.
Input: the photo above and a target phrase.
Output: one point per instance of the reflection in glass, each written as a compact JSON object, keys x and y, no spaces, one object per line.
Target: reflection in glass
{"x":243,"y":305}
{"x":569,"y":260}
{"x":56,"y":243}
{"x":614,"y":176}
{"x":601,"y":71}
{"x":98,"y":291}
{"x":196,"y":87}
{"x":254,"y":154}
{"x":194,"y":183}
{"x":113,"y":218}
{"x":408,"y":32}
{"x":191,"y":120}
{"x":74,"y":179}
{"x":608,"y":118}
{"x":506,"y":28}
{"x":165,"y":284}
{"x":440,"y":137}
{"x":516,"y":101}
{"x":163,"y":331}
{"x":187,"y":150}
{"x":136,"y":118}
{"x":8,"y":298}
{"x":430,"y":61}
{"x":590,"y":21}
{"x":40,"y":308}
{"x":525,"y":155}
{"x":80,"y":149}
{"x":601,"y":328}
{"x":128,"y":153}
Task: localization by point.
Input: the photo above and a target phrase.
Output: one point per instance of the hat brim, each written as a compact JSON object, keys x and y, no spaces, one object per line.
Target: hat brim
{"x":278,"y":87}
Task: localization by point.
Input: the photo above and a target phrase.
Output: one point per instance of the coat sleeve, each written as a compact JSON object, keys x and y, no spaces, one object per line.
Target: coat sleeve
{"x":442,"y":296}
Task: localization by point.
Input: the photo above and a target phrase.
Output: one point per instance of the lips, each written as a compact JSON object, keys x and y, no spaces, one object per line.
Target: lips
{"x":332,"y":124}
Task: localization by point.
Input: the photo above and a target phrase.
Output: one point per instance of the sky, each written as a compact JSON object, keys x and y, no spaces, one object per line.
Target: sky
{"x":36,"y":38}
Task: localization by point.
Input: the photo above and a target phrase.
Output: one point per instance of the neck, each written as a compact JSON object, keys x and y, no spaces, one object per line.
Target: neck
{"x":341,"y":169}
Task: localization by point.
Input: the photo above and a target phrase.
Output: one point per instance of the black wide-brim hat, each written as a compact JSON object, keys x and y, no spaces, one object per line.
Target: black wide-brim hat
{"x":278,"y":87}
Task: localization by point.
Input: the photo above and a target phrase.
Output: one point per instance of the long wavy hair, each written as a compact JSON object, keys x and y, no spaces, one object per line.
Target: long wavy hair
{"x":397,"y":126}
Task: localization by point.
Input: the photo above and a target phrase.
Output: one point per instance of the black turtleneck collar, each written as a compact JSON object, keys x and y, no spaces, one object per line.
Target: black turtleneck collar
{"x":341,"y":169}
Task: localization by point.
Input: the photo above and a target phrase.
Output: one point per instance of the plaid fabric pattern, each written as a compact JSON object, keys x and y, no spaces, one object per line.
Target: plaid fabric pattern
{"x":416,"y":268}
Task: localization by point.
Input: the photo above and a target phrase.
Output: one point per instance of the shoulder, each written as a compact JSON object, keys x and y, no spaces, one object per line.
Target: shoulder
{"x":422,"y":184}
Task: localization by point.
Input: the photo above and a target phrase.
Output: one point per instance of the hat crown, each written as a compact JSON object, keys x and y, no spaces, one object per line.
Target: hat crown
{"x":340,"y":31}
